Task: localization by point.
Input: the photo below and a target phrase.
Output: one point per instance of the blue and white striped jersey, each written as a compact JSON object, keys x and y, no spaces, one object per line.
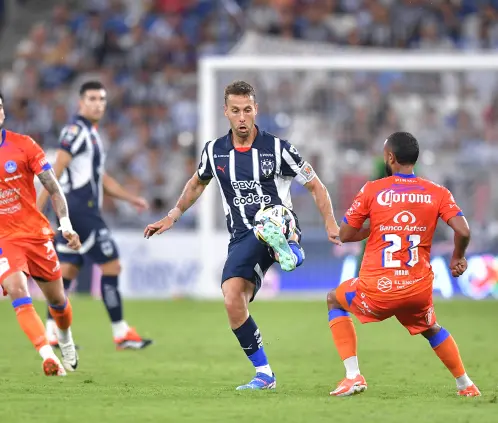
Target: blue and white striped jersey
{"x":250,"y":179}
{"x":82,"y":179}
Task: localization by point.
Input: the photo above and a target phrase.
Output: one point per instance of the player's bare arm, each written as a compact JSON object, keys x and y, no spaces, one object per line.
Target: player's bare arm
{"x":324,"y":204}
{"x":50,"y":183}
{"x":460,"y":226}
{"x":348,"y":233}
{"x":114,"y":189}
{"x":62,"y":160}
{"x":191,"y":193}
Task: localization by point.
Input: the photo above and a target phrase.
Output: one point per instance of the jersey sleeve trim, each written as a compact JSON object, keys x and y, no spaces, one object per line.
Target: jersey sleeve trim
{"x":72,"y":139}
{"x":46,"y":166}
{"x":290,"y":161}
{"x":353,"y":225}
{"x":298,"y":168}
{"x":448,"y":207}
{"x":204,"y":172}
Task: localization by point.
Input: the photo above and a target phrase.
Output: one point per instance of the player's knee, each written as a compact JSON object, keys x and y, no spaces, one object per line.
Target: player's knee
{"x":56,"y":295}
{"x":111,"y":268}
{"x":234,"y":302}
{"x":236,"y":307}
{"x":234,"y":296}
{"x":332,"y":300}
{"x":432,"y":331}
{"x":56,"y":298}
{"x":16,"y":286}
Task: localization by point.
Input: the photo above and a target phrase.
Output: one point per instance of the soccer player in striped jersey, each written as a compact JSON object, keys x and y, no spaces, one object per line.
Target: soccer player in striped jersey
{"x":252,"y":168}
{"x":79,"y":164}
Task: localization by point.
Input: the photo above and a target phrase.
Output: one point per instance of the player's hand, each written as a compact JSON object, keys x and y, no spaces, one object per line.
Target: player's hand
{"x":159,"y":227}
{"x":458,"y":266}
{"x":333,"y":231}
{"x":73,"y":240}
{"x":140,"y":203}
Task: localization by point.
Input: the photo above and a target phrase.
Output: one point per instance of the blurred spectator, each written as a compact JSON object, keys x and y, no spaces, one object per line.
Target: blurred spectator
{"x":3,"y":15}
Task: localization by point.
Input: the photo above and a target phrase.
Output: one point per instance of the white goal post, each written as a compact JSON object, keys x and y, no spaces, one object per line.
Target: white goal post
{"x":209,"y":110}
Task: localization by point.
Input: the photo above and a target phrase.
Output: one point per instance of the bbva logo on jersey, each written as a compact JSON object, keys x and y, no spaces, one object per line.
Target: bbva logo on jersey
{"x":389,"y":197}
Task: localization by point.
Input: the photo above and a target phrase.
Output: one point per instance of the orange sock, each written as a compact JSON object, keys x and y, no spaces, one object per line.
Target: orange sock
{"x":447,"y":350}
{"x":63,"y":315}
{"x":30,"y":322}
{"x":343,"y":333}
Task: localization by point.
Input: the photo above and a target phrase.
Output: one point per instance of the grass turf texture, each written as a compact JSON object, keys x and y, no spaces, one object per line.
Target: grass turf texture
{"x":190,"y":373}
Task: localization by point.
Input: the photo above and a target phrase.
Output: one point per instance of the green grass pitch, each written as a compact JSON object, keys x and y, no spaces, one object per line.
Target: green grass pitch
{"x":190,"y":373}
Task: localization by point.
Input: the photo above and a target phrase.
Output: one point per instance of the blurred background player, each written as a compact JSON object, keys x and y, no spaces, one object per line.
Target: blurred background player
{"x":80,"y":165}
{"x":252,"y":168}
{"x":26,"y":246}
{"x":396,"y":277}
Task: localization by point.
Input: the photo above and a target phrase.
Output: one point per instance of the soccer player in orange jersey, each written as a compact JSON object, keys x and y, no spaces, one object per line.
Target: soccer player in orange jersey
{"x":396,"y":276}
{"x":26,"y":246}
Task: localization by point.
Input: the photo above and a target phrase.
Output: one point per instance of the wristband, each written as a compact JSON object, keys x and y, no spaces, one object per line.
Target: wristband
{"x":175,"y":214}
{"x":65,"y":225}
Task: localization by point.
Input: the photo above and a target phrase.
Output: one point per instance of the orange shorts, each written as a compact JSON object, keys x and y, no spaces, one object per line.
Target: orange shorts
{"x":35,"y":258}
{"x":415,"y":313}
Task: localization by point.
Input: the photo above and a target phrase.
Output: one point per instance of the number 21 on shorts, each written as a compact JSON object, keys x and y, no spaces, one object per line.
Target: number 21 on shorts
{"x":396,"y":245}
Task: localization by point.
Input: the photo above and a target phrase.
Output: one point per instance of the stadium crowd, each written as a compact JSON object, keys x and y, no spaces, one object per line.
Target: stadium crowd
{"x":146,"y":52}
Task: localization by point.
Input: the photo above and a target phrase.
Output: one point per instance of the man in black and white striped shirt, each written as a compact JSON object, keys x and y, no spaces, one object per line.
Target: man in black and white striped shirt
{"x":252,"y":168}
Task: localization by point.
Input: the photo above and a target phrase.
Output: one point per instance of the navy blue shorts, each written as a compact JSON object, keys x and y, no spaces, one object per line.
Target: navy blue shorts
{"x":249,"y":259}
{"x":96,"y":241}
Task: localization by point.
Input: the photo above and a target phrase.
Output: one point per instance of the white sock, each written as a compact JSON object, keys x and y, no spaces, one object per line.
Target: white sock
{"x":50,"y":328}
{"x":119,"y":329}
{"x":64,"y":336}
{"x":264,"y":369}
{"x":463,"y":382}
{"x":352,"y":368}
{"x":46,"y":352}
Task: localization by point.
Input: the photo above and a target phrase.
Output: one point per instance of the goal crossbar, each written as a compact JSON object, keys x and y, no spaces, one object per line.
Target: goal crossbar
{"x":363,"y":61}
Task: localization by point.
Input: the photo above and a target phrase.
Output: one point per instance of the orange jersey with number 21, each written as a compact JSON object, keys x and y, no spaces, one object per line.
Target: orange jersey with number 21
{"x":403,"y":212}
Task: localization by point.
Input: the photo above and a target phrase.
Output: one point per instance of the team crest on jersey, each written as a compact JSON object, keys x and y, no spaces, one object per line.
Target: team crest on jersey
{"x":267,"y":167}
{"x":10,"y":166}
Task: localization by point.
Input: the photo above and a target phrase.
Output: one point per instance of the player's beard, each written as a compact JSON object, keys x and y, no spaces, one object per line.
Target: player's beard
{"x":388,"y":169}
{"x":245,"y":134}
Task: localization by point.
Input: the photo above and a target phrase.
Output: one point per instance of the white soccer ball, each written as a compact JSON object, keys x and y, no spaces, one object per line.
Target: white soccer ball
{"x":279,"y":215}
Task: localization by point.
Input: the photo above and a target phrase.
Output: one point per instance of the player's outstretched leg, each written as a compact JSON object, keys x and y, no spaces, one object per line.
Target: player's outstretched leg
{"x":50,"y":326}
{"x":62,"y":314}
{"x":344,"y":335}
{"x":125,"y":337}
{"x":237,"y":293}
{"x":17,"y":288}
{"x":446,"y":349}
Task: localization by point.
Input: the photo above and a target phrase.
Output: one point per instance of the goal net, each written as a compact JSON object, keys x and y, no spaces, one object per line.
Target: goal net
{"x":338,"y":109}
